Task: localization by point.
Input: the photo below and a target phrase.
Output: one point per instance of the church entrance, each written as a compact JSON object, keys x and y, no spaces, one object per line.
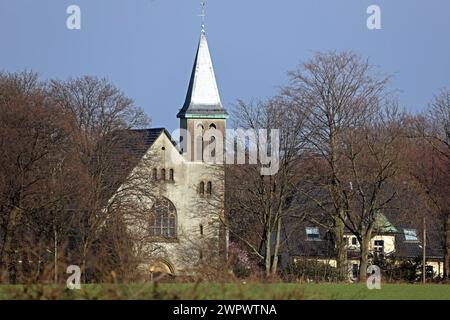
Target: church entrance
{"x":160,"y":269}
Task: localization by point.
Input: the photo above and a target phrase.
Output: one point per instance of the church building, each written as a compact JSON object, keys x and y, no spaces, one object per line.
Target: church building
{"x":182,"y":224}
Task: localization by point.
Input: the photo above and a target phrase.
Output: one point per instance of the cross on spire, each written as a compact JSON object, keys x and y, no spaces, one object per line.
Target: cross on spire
{"x":203,"y":14}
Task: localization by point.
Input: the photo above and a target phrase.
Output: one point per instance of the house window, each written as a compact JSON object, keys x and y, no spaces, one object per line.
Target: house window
{"x":312,"y":233}
{"x":163,"y":174}
{"x":429,"y":272}
{"x":410,"y":235}
{"x":155,"y":174}
{"x":201,"y":188}
{"x":354,"y":241}
{"x":201,"y":230}
{"x":378,"y":246}
{"x":163,"y":219}
{"x":171,"y":175}
{"x":355,"y":270}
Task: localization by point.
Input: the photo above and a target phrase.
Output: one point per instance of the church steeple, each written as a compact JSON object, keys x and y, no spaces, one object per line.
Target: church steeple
{"x":203,"y":99}
{"x":202,"y":114}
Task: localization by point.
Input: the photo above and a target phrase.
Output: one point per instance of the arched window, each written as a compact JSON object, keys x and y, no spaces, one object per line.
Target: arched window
{"x":163,"y":219}
{"x":201,"y":188}
{"x":163,"y":174}
{"x":198,"y":155}
{"x":213,"y":143}
{"x":209,"y":188}
{"x":171,"y":175}
{"x":155,"y":174}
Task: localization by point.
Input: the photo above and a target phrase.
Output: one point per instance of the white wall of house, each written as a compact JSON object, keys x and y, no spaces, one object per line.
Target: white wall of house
{"x":389,"y":243}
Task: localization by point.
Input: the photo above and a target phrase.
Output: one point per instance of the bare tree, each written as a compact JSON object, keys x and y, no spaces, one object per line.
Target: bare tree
{"x":258,"y":203}
{"x":434,"y":128}
{"x":371,"y":159}
{"x":337,"y":92}
{"x":35,"y":173}
{"x":102,"y":117}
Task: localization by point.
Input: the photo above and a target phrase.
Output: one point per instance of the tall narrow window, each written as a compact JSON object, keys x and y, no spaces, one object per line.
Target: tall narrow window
{"x":172,"y":225}
{"x":163,"y":174}
{"x":198,"y":156}
{"x":201,"y":230}
{"x":155,"y":174}
{"x":209,"y":188}
{"x":213,"y":146}
{"x":171,"y":175}
{"x":212,"y":142}
{"x":355,"y":270}
{"x":201,"y":188}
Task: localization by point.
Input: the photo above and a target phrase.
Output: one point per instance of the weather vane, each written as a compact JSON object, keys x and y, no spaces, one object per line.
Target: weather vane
{"x":203,"y":15}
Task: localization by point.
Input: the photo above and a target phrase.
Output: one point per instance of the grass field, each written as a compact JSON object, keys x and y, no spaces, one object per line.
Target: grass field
{"x":231,"y":291}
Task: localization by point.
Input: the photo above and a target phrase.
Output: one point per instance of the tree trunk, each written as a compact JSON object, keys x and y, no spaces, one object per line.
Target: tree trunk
{"x":447,"y":247}
{"x":55,"y":254}
{"x":84,"y":262}
{"x":277,"y":248}
{"x":341,"y":252}
{"x":268,"y":257}
{"x":365,"y":243}
{"x":6,"y":249}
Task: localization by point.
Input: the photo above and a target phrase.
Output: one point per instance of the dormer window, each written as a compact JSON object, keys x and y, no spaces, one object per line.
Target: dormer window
{"x":312,"y":233}
{"x":410,"y":234}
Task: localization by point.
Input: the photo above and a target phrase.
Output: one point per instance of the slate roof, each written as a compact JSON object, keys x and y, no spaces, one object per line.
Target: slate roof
{"x":321,"y":248}
{"x":128,"y":148}
{"x":141,"y":140}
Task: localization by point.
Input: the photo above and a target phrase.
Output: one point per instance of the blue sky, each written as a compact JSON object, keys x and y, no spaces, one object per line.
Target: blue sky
{"x":147,"y":47}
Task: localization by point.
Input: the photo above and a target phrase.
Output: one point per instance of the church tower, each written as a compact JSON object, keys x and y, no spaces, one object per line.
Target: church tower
{"x":202,"y":108}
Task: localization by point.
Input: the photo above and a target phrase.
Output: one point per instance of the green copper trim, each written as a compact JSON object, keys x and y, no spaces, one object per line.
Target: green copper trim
{"x":382,"y":224}
{"x":205,"y":116}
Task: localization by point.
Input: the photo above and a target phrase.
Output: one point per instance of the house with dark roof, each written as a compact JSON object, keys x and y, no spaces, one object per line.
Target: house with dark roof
{"x":394,"y":242}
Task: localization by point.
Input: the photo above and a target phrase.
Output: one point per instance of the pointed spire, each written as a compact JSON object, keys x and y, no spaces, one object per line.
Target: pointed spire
{"x":203,"y":99}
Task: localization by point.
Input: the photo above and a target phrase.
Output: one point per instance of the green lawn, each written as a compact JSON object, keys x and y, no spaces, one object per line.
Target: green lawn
{"x":276,"y":291}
